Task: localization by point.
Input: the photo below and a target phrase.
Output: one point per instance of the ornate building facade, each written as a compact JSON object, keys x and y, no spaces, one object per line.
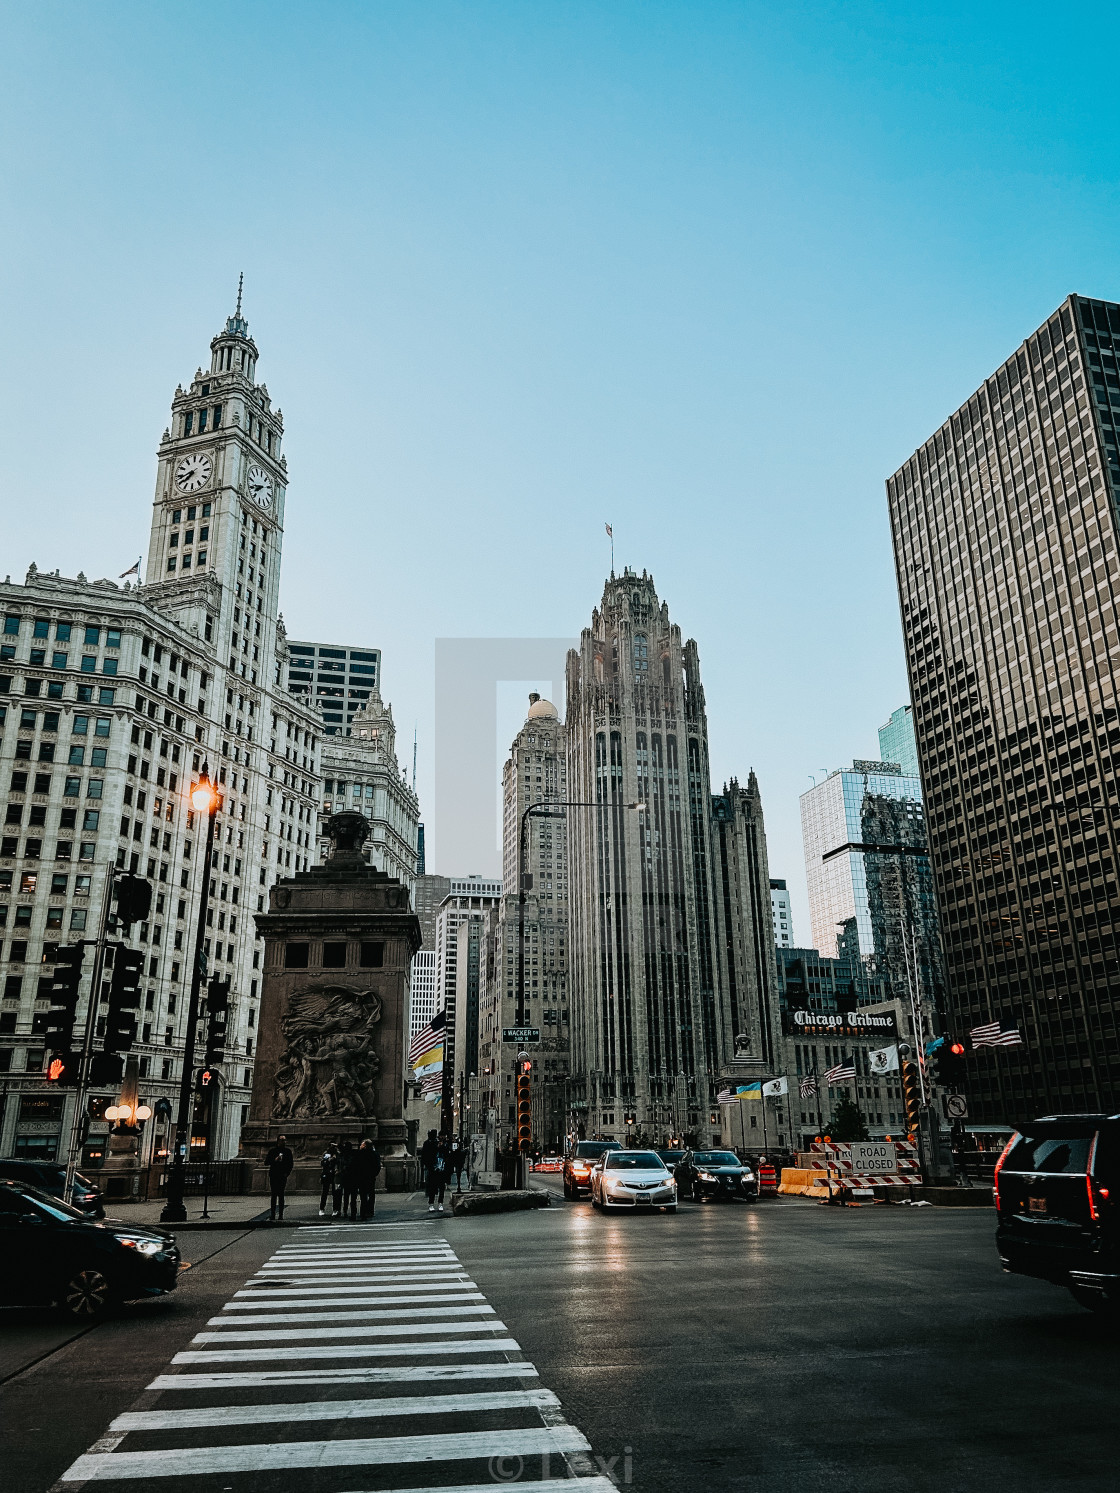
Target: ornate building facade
{"x":662,"y":898}
{"x":111,"y":700}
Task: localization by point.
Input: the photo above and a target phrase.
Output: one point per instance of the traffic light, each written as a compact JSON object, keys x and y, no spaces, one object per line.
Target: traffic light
{"x":911,"y":1093}
{"x":134,"y":899}
{"x":106,"y":1067}
{"x":59,"y":1029}
{"x":205,"y":1078}
{"x":950,"y":1064}
{"x":63,"y":1069}
{"x":217,"y":1011}
{"x":524,"y":1106}
{"x":124,"y":999}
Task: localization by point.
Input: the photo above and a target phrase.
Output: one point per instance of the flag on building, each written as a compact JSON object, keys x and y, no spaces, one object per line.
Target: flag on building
{"x":841,"y":1073}
{"x":807,"y":1086}
{"x":883,"y":1059}
{"x":431,"y":1062}
{"x":424,"y":1042}
{"x":750,"y":1090}
{"x":725,"y":1096}
{"x":135,"y":570}
{"x":774,"y":1088}
{"x":990,"y":1035}
{"x":610,"y":531}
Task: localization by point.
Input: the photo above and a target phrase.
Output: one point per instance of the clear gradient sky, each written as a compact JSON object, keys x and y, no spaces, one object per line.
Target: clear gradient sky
{"x":709,"y":271}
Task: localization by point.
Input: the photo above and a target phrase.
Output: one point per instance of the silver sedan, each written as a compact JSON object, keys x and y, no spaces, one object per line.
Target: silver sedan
{"x":633,"y":1179}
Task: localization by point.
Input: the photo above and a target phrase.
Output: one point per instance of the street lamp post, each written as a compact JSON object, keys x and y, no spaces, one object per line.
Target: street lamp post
{"x":205,"y":799}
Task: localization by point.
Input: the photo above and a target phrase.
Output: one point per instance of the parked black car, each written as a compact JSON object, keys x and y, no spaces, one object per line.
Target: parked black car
{"x":1057,"y":1188}
{"x":715,"y":1174}
{"x":49,"y":1176}
{"x":54,"y":1255}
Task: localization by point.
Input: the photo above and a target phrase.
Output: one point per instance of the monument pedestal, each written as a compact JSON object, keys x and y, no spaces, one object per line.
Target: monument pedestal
{"x":339,"y":941}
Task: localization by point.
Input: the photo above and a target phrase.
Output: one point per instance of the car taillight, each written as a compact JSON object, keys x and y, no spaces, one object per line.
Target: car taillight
{"x":1097,"y":1195}
{"x":999,"y":1166}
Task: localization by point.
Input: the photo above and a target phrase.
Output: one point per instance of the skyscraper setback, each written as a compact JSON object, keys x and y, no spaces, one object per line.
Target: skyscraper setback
{"x":1005,"y":538}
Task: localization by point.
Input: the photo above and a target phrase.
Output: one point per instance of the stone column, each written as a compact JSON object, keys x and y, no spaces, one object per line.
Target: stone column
{"x":333,"y":1029}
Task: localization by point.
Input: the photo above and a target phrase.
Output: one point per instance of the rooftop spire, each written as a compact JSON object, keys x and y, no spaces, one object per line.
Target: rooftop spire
{"x":236,"y":324}
{"x":240,"y":283}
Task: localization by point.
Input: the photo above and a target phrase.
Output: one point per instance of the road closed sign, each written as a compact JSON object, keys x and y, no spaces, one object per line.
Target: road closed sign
{"x":874,"y":1156}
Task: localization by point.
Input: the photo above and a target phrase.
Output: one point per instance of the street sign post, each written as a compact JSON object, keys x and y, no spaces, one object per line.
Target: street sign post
{"x":521,"y":1034}
{"x":874,"y":1156}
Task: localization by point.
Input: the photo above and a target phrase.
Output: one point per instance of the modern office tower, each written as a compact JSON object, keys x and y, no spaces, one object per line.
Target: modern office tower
{"x":361,"y":773}
{"x":783,"y":916}
{"x":870,"y":883}
{"x":534,"y":774}
{"x":469,"y":896}
{"x":1005,"y":539}
{"x":653,"y":1030}
{"x":897,"y":742}
{"x":337,"y":678}
{"x":111,"y":701}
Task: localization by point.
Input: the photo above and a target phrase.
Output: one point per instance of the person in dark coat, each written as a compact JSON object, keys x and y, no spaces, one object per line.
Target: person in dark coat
{"x":458,"y":1165}
{"x":346,"y":1180}
{"x":438,"y":1173}
{"x":428,"y":1153}
{"x":279,"y":1162}
{"x":367,"y":1166}
{"x":328,"y":1178}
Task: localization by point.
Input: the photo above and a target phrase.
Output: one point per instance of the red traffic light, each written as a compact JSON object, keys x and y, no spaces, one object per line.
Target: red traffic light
{"x":957,"y":1049}
{"x":55,"y":1069}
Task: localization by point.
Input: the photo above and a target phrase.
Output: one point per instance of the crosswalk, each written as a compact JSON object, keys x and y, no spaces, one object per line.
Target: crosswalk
{"x":436,"y":1396}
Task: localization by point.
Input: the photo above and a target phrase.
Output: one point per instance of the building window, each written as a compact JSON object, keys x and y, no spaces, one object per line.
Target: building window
{"x":89,"y":663}
{"x":11,"y":626}
{"x":188,"y":423}
{"x":109,"y":666}
{"x":58,"y":660}
{"x":42,"y":627}
{"x":372,"y":955}
{"x":334,"y":955}
{"x":78,"y":917}
{"x":106,"y":696}
{"x":171,"y":563}
{"x":296,"y":955}
{"x":174,"y":543}
{"x":93,"y":637}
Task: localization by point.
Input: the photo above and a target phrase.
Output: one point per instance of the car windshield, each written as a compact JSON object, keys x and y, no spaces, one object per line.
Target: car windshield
{"x":715,"y":1158}
{"x":1052,"y":1148}
{"x":671,"y":1155}
{"x":634,"y":1161}
{"x":52,"y":1207}
{"x":590,"y":1150}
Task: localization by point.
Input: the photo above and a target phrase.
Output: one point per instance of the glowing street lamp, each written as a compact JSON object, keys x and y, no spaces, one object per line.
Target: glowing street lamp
{"x":205,"y":799}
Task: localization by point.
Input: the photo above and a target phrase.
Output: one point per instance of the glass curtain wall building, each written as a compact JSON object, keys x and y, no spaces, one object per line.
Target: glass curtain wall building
{"x":897,"y":742}
{"x":1005,"y":538}
{"x":339,"y":678}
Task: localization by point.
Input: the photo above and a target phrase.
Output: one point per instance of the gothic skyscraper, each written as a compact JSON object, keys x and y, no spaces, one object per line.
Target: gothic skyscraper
{"x":657,"y":1019}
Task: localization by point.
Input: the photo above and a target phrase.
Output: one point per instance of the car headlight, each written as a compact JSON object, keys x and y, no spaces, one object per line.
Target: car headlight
{"x":748,"y":1176}
{"x":706,"y":1176}
{"x":141,"y":1246}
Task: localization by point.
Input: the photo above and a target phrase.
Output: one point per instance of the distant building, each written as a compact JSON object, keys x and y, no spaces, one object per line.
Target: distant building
{"x":338,"y":678}
{"x":360,"y":773}
{"x":469,"y":896}
{"x":897,"y":742}
{"x":871,"y":890}
{"x":783,"y":917}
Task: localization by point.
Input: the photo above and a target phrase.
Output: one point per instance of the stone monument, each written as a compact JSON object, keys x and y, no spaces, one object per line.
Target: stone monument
{"x":333,"y":1030}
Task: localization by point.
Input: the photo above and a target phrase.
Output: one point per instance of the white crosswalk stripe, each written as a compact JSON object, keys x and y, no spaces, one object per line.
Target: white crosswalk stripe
{"x":443,"y":1393}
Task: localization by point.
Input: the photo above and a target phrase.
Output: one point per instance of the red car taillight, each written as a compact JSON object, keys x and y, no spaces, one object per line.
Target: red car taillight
{"x":1097,"y":1195}
{"x":999,"y":1166}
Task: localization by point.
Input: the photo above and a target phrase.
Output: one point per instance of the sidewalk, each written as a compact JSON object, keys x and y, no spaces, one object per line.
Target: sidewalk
{"x":250,"y":1211}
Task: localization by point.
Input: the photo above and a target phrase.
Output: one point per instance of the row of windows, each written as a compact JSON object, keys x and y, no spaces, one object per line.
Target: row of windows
{"x":64,"y":632}
{"x":186,"y":565}
{"x":22,"y":919}
{"x":60,"y":881}
{"x":34,"y":688}
{"x":197,"y":420}
{"x":80,"y":726}
{"x":188,"y":536}
{"x":192,"y":513}
{"x":64,"y":850}
{"x":333,"y":955}
{"x":38,"y":660}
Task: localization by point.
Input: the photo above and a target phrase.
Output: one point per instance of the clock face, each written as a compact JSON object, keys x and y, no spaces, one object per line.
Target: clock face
{"x":194,"y":472}
{"x":260,"y":486}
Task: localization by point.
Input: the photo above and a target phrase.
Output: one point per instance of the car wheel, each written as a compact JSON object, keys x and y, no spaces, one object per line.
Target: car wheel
{"x":1095,"y":1301}
{"x":86,"y":1296}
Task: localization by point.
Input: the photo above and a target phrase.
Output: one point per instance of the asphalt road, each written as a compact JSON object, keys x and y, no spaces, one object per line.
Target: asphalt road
{"x":776,"y":1346}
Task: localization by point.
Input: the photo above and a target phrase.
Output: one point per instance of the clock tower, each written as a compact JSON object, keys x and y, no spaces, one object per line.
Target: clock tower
{"x":218,"y":513}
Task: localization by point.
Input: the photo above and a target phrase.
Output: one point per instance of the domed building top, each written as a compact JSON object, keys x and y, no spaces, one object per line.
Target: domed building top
{"x":540,"y":709}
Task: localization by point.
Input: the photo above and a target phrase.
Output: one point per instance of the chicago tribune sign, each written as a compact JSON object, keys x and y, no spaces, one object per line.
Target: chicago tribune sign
{"x":866,"y":1024}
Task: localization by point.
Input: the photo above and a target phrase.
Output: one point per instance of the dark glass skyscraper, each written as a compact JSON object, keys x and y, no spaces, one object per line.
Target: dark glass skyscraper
{"x":1005,"y":538}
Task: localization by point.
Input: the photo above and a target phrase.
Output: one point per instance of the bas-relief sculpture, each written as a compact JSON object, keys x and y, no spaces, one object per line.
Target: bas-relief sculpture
{"x":329,"y":1065}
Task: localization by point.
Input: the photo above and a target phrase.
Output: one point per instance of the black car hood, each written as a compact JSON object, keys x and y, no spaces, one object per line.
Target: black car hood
{"x":124,"y":1226}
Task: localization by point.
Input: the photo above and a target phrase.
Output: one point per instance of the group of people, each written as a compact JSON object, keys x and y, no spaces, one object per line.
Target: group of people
{"x":347,"y":1178}
{"x":440,"y":1160}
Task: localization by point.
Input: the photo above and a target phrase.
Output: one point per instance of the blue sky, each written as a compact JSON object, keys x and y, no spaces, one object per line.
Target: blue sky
{"x":709,"y":271}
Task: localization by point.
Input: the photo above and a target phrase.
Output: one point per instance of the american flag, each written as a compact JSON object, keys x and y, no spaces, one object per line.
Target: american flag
{"x":423,"y":1042}
{"x":725,"y":1096}
{"x":840,"y":1073}
{"x":432,"y":1084}
{"x":989,"y":1035}
{"x":807,"y":1086}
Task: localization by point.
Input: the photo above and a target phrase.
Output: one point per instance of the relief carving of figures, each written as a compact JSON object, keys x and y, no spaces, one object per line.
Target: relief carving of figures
{"x":329,"y":1067}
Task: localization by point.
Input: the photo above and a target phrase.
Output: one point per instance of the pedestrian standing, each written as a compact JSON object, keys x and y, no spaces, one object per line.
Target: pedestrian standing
{"x":437,"y":1175}
{"x":279,"y":1162}
{"x":428,"y":1152}
{"x":367,"y":1167}
{"x":458,"y":1165}
{"x":328,"y":1170}
{"x":346,"y":1183}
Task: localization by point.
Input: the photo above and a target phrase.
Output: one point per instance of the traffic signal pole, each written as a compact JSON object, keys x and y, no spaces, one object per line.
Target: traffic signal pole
{"x":86,"y":1059}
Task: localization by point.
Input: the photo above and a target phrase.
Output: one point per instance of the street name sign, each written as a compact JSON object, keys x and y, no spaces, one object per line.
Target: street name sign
{"x":521,"y":1034}
{"x":874,"y":1156}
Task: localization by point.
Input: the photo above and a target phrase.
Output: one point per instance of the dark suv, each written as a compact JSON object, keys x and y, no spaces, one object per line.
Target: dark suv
{"x":1057,"y":1188}
{"x":49,"y":1176}
{"x":578,"y":1163}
